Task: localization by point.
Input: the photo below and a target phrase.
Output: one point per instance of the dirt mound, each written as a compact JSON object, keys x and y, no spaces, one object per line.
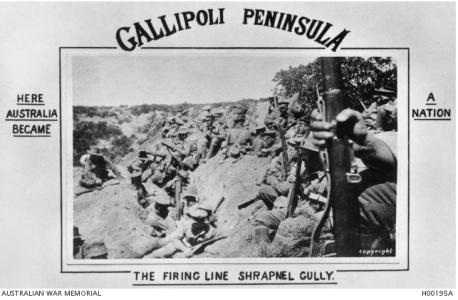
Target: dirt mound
{"x":236,"y":181}
{"x":113,"y":216}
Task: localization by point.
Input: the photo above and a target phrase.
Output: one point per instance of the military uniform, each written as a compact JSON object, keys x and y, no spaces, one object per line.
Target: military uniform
{"x":216,"y":136}
{"x":136,"y":170}
{"x":267,"y":222}
{"x":282,"y":119}
{"x":300,"y":130}
{"x":238,"y":140}
{"x":160,"y":219}
{"x":191,"y":230}
{"x":96,"y":170}
{"x":275,"y":183}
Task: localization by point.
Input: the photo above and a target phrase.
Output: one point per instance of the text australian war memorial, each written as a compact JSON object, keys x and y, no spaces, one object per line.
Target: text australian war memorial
{"x":310,"y":171}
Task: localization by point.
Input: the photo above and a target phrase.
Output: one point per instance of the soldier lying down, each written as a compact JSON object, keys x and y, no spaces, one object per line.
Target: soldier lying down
{"x":191,"y":231}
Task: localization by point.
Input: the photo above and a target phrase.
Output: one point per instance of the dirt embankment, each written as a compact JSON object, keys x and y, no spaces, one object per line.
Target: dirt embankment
{"x":113,"y":216}
{"x":235,"y":180}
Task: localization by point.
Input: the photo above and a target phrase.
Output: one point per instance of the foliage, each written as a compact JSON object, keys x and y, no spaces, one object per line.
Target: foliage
{"x":94,"y":111}
{"x":120,"y":146}
{"x":87,"y":134}
{"x":360,"y":77}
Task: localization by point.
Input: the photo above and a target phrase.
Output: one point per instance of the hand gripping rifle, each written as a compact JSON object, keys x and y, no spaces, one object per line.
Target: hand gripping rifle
{"x":342,"y":192}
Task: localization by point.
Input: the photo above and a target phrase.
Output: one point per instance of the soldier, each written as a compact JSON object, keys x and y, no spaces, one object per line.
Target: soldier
{"x":386,"y":119}
{"x":315,"y":196}
{"x":170,"y":127}
{"x":181,"y":149}
{"x":258,"y":141}
{"x":96,"y":169}
{"x":275,"y":183}
{"x":271,"y":147}
{"x":189,"y":199}
{"x":377,"y":199}
{"x":160,"y":219}
{"x":136,"y":170}
{"x":191,"y":231}
{"x":214,"y":133}
{"x":238,"y":140}
{"x":279,"y":119}
{"x":237,"y":111}
{"x":157,"y":123}
{"x":163,"y":170}
{"x":267,"y":222}
{"x":300,"y":130}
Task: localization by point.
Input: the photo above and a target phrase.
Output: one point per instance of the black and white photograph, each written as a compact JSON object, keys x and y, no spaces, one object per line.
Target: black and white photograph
{"x":156,"y":148}
{"x":227,"y":154}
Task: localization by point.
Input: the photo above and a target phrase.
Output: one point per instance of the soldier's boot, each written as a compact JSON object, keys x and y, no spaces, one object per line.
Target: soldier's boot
{"x":261,"y":235}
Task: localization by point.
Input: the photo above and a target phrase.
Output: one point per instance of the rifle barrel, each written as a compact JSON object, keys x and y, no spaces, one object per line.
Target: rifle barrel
{"x":342,"y":195}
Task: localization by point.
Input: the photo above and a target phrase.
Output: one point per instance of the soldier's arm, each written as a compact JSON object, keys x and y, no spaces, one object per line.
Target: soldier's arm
{"x":373,"y":151}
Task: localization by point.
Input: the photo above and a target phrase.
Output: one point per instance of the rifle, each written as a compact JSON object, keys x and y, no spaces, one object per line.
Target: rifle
{"x":176,"y":159}
{"x":286,"y":167}
{"x":362,"y":104}
{"x":178,"y":181}
{"x":212,"y":119}
{"x":199,"y":246}
{"x":319,"y":100}
{"x":248,"y":202}
{"x":342,"y":193}
{"x":218,"y":205}
{"x":294,"y":189}
{"x":177,"y":203}
{"x":95,"y":189}
{"x":255,"y":199}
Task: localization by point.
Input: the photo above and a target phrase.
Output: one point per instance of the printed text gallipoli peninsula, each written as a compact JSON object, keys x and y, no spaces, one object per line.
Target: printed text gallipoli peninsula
{"x":146,"y":31}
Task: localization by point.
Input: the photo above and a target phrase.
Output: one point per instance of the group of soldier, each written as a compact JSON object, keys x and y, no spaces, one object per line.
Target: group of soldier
{"x":295,"y":179}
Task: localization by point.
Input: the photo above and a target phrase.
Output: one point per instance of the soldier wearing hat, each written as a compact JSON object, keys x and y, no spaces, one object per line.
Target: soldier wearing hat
{"x":280,"y":119}
{"x":300,"y":130}
{"x":96,"y":169}
{"x":213,"y":132}
{"x":170,"y":129}
{"x":194,"y":229}
{"x":386,"y":119}
{"x":189,"y":199}
{"x":377,"y":199}
{"x":258,"y":141}
{"x":160,"y":219}
{"x":136,"y":170}
{"x":181,"y":147}
{"x":275,"y":183}
{"x":273,"y":146}
{"x":238,"y":140}
{"x":236,"y":112}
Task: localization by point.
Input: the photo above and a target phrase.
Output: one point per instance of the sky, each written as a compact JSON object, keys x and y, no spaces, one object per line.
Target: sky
{"x":175,"y":77}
